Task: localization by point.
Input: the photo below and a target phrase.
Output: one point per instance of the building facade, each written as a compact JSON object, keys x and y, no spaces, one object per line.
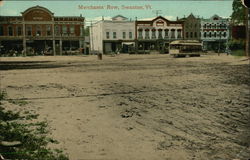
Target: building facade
{"x":38,"y":31}
{"x":112,"y":36}
{"x":214,"y":33}
{"x":192,"y":27}
{"x":156,"y":34}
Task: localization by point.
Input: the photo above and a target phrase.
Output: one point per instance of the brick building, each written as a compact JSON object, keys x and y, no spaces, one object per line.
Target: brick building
{"x":38,"y":31}
{"x":192,"y":27}
{"x":156,"y":34}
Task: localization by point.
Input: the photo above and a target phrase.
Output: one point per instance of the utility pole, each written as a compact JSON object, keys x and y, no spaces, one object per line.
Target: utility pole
{"x":157,"y":12}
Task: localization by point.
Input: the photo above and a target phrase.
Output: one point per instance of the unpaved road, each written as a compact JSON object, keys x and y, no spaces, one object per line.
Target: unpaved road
{"x":137,"y":107}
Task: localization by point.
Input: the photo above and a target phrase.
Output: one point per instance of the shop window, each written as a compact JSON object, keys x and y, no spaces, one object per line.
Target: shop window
{"x":1,"y":30}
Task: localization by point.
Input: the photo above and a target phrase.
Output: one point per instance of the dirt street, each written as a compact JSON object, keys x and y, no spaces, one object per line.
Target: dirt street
{"x":137,"y":107}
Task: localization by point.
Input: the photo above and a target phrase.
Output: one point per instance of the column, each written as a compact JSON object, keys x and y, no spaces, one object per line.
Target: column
{"x":60,"y":44}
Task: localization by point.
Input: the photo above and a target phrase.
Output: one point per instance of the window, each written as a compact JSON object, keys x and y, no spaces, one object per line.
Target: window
{"x":57,"y":30}
{"x":172,"y":33}
{"x":219,"y":34}
{"x":166,"y":33}
{"x":187,"y":35}
{"x":114,"y":35}
{"x":205,"y":26}
{"x":179,"y":33}
{"x":107,"y":35}
{"x":191,"y":34}
{"x":210,"y":34}
{"x":38,"y":30}
{"x":140,"y":33}
{"x":130,"y":35}
{"x":147,"y":34}
{"x":1,"y":30}
{"x":48,"y":30}
{"x":72,"y":29}
{"x":159,"y":34}
{"x":64,"y":30}
{"x":195,"y":34}
{"x":153,"y":34}
{"x":28,"y":29}
{"x":124,"y":35}
{"x":215,"y":34}
{"x":19,"y":30}
{"x":225,"y":34}
{"x":205,"y":34}
{"x":10,"y":31}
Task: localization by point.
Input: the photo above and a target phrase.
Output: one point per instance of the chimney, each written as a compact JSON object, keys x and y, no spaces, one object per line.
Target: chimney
{"x":102,"y":18}
{"x":177,"y":18}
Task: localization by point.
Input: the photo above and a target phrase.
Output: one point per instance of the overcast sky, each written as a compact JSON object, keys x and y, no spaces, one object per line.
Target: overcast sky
{"x":169,"y":9}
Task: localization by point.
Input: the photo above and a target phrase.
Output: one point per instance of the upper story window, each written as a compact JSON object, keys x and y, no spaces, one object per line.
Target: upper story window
{"x":153,"y":34}
{"x":172,"y":33}
{"x":130,"y":35}
{"x":114,"y":35}
{"x":64,"y":29}
{"x":48,"y":30}
{"x":1,"y":30}
{"x":205,"y":34}
{"x":140,"y":33}
{"x":205,"y":26}
{"x":38,"y":30}
{"x":10,"y":31}
{"x":124,"y":35}
{"x":19,"y":30}
{"x":28,"y":30}
{"x":147,"y":34}
{"x":191,"y":34}
{"x":187,"y":35}
{"x":225,"y":34}
{"x":72,"y":29}
{"x":195,"y":34}
{"x":179,"y":33}
{"x":166,"y":33}
{"x":57,"y":30}
{"x":160,"y":34}
{"x":107,"y":35}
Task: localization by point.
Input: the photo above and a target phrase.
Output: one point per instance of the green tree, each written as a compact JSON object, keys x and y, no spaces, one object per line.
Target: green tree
{"x":238,"y":15}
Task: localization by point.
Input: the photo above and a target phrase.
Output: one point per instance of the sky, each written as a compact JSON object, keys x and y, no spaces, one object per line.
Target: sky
{"x":168,"y":8}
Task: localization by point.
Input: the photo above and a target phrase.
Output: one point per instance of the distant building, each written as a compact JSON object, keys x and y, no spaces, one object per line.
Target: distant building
{"x":192,"y":27}
{"x":38,"y":31}
{"x":156,"y":34}
{"x":112,"y":36}
{"x":214,"y":33}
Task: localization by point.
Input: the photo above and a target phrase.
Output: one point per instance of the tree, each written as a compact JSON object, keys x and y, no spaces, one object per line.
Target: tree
{"x":238,"y":15}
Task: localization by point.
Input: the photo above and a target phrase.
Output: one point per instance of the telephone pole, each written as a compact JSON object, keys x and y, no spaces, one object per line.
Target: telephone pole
{"x":157,"y":12}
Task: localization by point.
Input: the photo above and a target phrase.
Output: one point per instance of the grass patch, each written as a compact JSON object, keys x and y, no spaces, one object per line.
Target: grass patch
{"x":18,"y":102}
{"x":238,"y":53}
{"x":32,"y":137}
